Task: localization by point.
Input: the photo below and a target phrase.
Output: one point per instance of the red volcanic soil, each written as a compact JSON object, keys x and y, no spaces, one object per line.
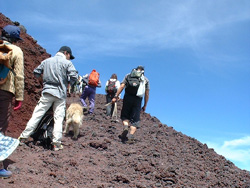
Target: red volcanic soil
{"x":161,"y":156}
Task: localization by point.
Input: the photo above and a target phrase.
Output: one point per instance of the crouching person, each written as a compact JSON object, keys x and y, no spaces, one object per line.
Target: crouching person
{"x":55,"y":72}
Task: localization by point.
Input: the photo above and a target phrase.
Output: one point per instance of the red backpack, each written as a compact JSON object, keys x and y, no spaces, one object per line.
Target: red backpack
{"x":94,"y":78}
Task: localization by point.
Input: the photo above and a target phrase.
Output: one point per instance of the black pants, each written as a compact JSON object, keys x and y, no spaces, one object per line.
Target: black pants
{"x":131,"y":109}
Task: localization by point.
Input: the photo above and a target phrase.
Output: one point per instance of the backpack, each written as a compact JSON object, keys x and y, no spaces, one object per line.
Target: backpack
{"x":111,"y":89}
{"x":44,"y":131}
{"x":133,"y":80}
{"x":5,"y":55}
{"x":94,"y":78}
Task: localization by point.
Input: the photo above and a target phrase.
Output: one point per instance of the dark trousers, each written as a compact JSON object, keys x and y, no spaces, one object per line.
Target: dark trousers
{"x":89,"y":92}
{"x":109,"y":108}
{"x":131,"y":109}
{"x":5,"y":109}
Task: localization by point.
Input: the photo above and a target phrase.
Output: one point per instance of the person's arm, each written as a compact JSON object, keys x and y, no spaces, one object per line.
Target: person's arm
{"x":106,"y":87}
{"x":85,"y":79}
{"x":72,"y":73}
{"x":122,"y":86}
{"x":19,"y":80}
{"x":99,"y":84}
{"x":19,"y":76}
{"x":38,"y":71}
{"x":146,"y":97}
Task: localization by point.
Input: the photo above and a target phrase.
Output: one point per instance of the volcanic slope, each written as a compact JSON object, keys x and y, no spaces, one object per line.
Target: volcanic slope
{"x":161,"y":156}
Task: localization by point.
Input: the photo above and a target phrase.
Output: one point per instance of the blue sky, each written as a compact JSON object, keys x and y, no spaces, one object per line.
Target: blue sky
{"x":195,"y":53}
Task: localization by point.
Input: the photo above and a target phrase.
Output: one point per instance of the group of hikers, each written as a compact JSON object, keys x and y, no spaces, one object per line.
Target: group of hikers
{"x":57,"y":73}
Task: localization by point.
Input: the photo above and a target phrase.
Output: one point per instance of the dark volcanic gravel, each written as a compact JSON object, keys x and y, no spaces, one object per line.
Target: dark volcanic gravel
{"x":161,"y":156}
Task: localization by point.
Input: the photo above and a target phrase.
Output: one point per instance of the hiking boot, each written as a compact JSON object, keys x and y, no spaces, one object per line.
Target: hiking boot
{"x":125,"y":132}
{"x":84,"y":109}
{"x":131,"y":139}
{"x":123,"y":136}
{"x":57,"y":147}
{"x":22,"y":141}
{"x":5,"y":173}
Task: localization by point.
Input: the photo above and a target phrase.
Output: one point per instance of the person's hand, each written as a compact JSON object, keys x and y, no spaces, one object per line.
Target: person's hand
{"x":114,"y":100}
{"x":17,"y":105}
{"x":143,"y":108}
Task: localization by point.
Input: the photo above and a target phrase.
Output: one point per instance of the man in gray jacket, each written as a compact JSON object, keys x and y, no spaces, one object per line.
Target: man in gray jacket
{"x":55,"y":72}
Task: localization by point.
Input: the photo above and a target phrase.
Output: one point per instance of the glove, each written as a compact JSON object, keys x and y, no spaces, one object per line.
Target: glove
{"x":18,"y":105}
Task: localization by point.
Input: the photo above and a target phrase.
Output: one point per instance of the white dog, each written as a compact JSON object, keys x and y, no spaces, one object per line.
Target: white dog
{"x":74,"y":117}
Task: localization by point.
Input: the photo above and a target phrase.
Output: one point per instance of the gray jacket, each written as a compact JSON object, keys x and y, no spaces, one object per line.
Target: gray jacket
{"x":56,"y":71}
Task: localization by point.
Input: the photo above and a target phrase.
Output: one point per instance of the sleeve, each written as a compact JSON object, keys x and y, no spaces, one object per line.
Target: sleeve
{"x":125,"y":80}
{"x":99,"y":84}
{"x":19,"y":78}
{"x":117,"y":84}
{"x":106,"y":86}
{"x":72,"y":73}
{"x":39,"y":70}
{"x":85,"y":79}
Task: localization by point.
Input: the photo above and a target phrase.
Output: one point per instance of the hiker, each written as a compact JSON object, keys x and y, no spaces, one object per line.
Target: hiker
{"x":55,"y":72}
{"x":136,"y":86}
{"x":90,"y":91}
{"x":84,"y":81}
{"x":22,"y":28}
{"x":74,"y":88}
{"x":14,"y":85}
{"x":79,"y":86}
{"x":111,"y":88}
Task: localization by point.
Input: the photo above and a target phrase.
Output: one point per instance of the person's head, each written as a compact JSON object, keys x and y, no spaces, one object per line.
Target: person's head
{"x":114,"y":76}
{"x":11,"y":33}
{"x":67,"y":52}
{"x":137,"y":72}
{"x":16,"y":23}
{"x":140,"y":69}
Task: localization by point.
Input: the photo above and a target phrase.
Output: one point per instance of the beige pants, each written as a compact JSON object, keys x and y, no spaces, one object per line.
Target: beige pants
{"x":45,"y":102}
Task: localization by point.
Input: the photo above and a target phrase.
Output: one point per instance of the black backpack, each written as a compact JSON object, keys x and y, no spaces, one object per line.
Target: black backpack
{"x":133,"y":80}
{"x":111,"y":89}
{"x":44,"y":131}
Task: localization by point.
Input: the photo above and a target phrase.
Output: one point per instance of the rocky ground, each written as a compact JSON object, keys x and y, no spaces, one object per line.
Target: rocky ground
{"x":161,"y":156}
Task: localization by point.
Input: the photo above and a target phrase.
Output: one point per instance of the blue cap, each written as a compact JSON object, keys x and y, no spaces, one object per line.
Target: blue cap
{"x":12,"y":31}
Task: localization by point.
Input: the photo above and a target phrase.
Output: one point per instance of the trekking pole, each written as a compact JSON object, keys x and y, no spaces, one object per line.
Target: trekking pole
{"x":110,"y":103}
{"x":114,"y":115}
